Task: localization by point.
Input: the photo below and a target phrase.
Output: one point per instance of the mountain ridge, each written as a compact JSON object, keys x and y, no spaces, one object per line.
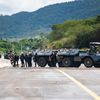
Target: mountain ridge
{"x":27,"y":24}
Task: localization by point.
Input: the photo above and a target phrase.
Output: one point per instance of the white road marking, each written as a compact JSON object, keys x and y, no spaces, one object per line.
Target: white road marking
{"x":90,"y":92}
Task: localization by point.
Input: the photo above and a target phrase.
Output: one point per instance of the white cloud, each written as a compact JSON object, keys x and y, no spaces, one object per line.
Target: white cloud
{"x":13,"y":6}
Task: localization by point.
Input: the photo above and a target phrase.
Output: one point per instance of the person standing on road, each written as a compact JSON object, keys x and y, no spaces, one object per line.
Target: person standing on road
{"x":22,"y":58}
{"x":11,"y":58}
{"x":17,"y":59}
{"x":35,"y":58}
{"x":53,"y":60}
{"x":29,"y":59}
{"x":14,"y":60}
{"x":26,"y":60}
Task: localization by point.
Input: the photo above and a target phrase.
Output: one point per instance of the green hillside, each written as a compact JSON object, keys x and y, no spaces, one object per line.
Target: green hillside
{"x":70,"y":34}
{"x":27,"y":24}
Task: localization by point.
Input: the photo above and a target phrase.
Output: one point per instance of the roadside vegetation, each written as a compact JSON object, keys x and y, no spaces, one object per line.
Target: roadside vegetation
{"x":23,"y":44}
{"x":70,"y":34}
{"x":75,"y":33}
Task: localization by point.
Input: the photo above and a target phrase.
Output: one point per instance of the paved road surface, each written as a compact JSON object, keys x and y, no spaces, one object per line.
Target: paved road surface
{"x":49,"y":83}
{"x":4,"y":63}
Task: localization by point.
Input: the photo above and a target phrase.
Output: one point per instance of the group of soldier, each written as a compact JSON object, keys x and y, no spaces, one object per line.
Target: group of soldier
{"x":24,"y":58}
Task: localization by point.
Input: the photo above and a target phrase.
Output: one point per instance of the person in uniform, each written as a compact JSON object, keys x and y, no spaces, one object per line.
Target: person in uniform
{"x":35,"y":59}
{"x":29,"y":59}
{"x":0,"y":56}
{"x":53,"y":59}
{"x":22,"y":58}
{"x":16,"y":59}
{"x":11,"y":58}
{"x":26,"y":60}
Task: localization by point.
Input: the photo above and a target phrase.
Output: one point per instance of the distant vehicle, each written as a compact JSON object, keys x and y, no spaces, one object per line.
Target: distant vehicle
{"x":92,"y":57}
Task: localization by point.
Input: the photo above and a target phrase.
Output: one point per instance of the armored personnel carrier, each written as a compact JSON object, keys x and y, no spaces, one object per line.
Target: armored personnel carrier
{"x":69,"y":57}
{"x":64,"y":58}
{"x":44,"y":57}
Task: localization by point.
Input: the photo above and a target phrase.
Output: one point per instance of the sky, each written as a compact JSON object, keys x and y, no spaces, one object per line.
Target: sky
{"x":9,"y":7}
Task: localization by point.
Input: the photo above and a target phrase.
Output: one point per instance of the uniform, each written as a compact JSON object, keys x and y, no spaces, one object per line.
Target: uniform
{"x":26,"y":60}
{"x":30,"y":60}
{"x":22,"y":58}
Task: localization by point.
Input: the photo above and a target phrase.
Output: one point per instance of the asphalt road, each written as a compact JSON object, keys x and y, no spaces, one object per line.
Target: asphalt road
{"x":49,"y":83}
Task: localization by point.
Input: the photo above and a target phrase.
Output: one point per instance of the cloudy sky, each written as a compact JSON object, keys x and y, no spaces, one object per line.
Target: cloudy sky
{"x":8,"y":7}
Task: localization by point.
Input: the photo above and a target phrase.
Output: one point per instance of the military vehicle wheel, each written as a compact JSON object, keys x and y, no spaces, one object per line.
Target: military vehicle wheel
{"x":66,"y":62}
{"x":88,"y":62}
{"x":77,"y":64}
{"x":41,"y":62}
{"x":97,"y":65}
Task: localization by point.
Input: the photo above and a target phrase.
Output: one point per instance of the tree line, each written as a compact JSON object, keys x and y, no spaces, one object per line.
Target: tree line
{"x":70,"y":34}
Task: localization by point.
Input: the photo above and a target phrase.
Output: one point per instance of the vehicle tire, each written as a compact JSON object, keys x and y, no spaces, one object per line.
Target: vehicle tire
{"x":97,"y":65}
{"x":77,"y":64}
{"x":88,"y":62}
{"x":66,"y":62}
{"x":41,"y":62}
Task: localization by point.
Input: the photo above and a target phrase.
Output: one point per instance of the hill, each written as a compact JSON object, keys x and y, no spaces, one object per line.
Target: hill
{"x":70,"y":34}
{"x":75,"y":33}
{"x":27,"y":24}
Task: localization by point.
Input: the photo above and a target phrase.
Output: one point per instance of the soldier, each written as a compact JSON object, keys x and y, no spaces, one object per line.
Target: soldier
{"x":26,"y":60}
{"x":11,"y":58}
{"x":0,"y":56}
{"x":16,"y":58}
{"x":53,"y":59}
{"x":22,"y":58}
{"x":35,"y":58}
{"x":29,"y":59}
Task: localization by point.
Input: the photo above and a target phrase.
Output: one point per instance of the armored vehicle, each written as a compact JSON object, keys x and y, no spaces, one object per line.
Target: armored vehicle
{"x":44,"y":57}
{"x":68,"y":58}
{"x":92,"y":56}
